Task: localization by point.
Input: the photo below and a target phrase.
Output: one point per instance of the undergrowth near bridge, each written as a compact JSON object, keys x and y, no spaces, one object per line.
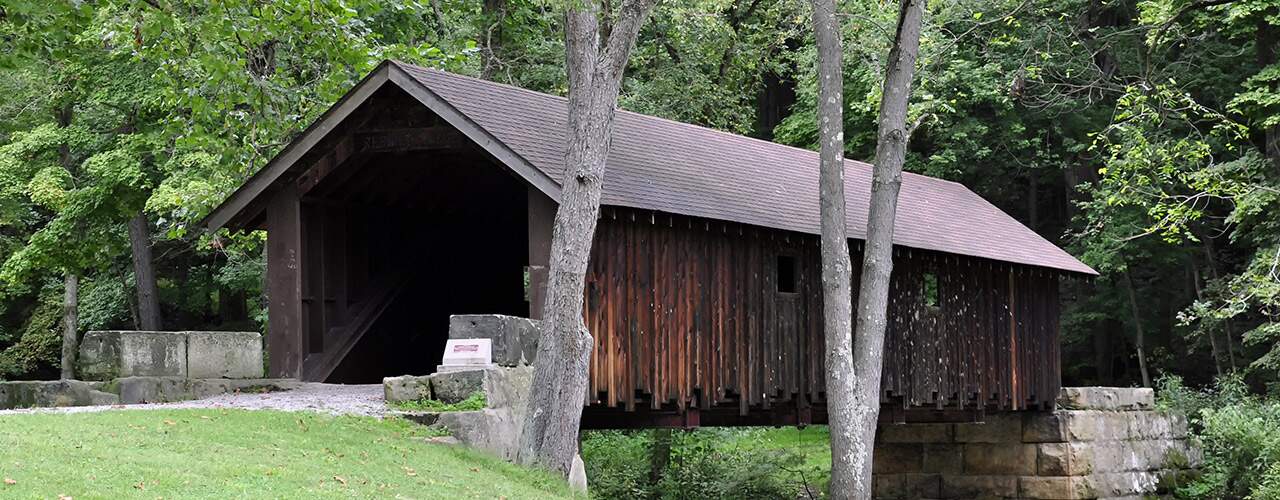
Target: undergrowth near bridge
{"x":716,"y":463}
{"x":1240,"y":433}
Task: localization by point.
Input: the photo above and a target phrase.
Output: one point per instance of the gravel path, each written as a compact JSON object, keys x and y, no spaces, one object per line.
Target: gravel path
{"x":335,"y":399}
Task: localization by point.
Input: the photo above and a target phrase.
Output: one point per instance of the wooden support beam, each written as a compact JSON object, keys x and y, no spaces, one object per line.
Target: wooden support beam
{"x":284,"y":284}
{"x":410,"y":139}
{"x":339,"y":341}
{"x":351,"y":152}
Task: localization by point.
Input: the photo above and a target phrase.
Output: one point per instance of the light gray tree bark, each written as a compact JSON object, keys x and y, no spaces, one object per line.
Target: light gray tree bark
{"x":550,"y":433}
{"x":837,"y":267}
{"x":877,"y":261}
{"x":144,"y":274}
{"x":70,"y":321}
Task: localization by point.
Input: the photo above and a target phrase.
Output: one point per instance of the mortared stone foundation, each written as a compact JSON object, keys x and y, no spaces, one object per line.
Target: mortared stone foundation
{"x":1101,"y":442}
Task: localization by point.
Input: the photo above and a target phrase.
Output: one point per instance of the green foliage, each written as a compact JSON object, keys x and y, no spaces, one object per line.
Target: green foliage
{"x":37,"y":351}
{"x":715,"y":462}
{"x":476,"y":401}
{"x":104,"y":304}
{"x":1237,"y":432}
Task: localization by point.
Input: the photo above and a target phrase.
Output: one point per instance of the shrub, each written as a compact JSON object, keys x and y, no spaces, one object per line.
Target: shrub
{"x":707,"y":462}
{"x":1240,"y":434}
{"x":38,"y":351}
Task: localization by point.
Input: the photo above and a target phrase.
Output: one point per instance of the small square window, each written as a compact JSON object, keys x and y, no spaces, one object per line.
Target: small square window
{"x":788,"y":278}
{"x":930,"y":291}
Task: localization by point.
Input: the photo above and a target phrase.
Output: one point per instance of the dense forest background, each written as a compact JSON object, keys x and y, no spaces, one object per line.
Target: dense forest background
{"x":1143,"y":136}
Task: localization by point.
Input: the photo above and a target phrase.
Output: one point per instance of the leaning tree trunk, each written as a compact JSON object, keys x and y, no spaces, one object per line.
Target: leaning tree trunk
{"x":837,"y":284}
{"x":877,"y":261}
{"x":70,"y":321}
{"x":550,"y":433}
{"x":144,"y":273}
{"x":1139,"y":338}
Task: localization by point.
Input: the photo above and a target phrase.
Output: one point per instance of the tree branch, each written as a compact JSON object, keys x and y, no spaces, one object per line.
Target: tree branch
{"x":631,"y":15}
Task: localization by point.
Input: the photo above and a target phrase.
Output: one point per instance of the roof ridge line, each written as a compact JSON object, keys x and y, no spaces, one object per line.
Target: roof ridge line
{"x":659,"y":118}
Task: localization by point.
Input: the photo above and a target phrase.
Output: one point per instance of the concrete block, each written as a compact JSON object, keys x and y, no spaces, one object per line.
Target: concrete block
{"x":508,"y":388}
{"x":235,"y":355}
{"x":51,"y":393}
{"x":979,"y":487}
{"x":455,"y":386}
{"x":99,"y":357}
{"x":1064,"y":459}
{"x":406,"y":388}
{"x":1106,"y":398}
{"x":898,"y":458}
{"x":914,"y":433}
{"x":999,"y":459}
{"x":135,"y":390}
{"x":1055,"y":488}
{"x":1092,"y":425}
{"x":946,"y":458}
{"x":209,"y":387}
{"x":1041,"y":427}
{"x":906,"y":486}
{"x":1117,"y":484}
{"x":1156,"y":425}
{"x":515,"y":339}
{"x":998,"y":428}
{"x":153,"y":354}
{"x":495,"y":431}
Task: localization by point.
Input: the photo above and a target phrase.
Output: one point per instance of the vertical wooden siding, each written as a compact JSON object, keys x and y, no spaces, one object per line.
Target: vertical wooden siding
{"x":687,"y":312}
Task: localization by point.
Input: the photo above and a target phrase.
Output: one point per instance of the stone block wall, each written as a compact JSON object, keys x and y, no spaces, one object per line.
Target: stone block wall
{"x":106,"y":355}
{"x":1103,"y":443}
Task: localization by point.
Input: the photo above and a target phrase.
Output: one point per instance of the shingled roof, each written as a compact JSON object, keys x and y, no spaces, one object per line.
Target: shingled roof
{"x":668,"y":166}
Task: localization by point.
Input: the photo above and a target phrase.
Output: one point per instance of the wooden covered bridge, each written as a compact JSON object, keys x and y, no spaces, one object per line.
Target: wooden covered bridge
{"x":422,"y":194}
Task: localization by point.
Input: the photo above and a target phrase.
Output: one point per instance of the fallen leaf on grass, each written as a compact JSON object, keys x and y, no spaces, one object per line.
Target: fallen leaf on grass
{"x":410,"y":471}
{"x":340,"y":480}
{"x":142,"y":485}
{"x":9,"y":482}
{"x":65,"y":497}
{"x":170,"y":422}
{"x":475,"y":469}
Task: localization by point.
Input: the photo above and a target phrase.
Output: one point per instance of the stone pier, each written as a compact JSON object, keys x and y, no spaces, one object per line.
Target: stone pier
{"x":1102,"y":442}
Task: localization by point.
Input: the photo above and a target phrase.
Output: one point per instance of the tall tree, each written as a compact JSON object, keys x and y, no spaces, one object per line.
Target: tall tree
{"x":596,"y":58}
{"x":70,"y":324}
{"x":877,"y":261}
{"x":144,"y":273}
{"x":837,"y":268}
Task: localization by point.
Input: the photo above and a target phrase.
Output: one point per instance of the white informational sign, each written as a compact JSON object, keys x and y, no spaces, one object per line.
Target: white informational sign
{"x":467,"y":353}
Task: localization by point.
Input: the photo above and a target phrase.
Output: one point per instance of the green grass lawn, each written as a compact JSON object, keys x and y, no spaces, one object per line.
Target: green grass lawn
{"x":245,"y":454}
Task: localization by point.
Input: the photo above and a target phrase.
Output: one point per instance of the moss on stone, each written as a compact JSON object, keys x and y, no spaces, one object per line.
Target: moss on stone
{"x":476,"y":401}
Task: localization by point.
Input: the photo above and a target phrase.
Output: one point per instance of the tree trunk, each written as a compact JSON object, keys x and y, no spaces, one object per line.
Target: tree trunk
{"x":1102,"y":356}
{"x":70,"y":320}
{"x":1139,"y":336}
{"x":1211,"y":261}
{"x":144,"y":273}
{"x":550,"y":431}
{"x":659,"y":458}
{"x":1266,"y":42}
{"x":492,"y":12}
{"x":877,"y":262}
{"x":837,"y":284}
{"x":1213,"y":339}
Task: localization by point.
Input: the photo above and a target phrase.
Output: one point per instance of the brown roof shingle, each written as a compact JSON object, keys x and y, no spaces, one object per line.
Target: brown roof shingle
{"x":674,"y":167}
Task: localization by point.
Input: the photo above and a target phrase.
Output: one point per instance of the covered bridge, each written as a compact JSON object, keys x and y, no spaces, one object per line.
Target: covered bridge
{"x":422,"y":194}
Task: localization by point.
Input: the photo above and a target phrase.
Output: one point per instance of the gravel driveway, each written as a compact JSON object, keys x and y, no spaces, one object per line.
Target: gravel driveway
{"x":336,"y":399}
